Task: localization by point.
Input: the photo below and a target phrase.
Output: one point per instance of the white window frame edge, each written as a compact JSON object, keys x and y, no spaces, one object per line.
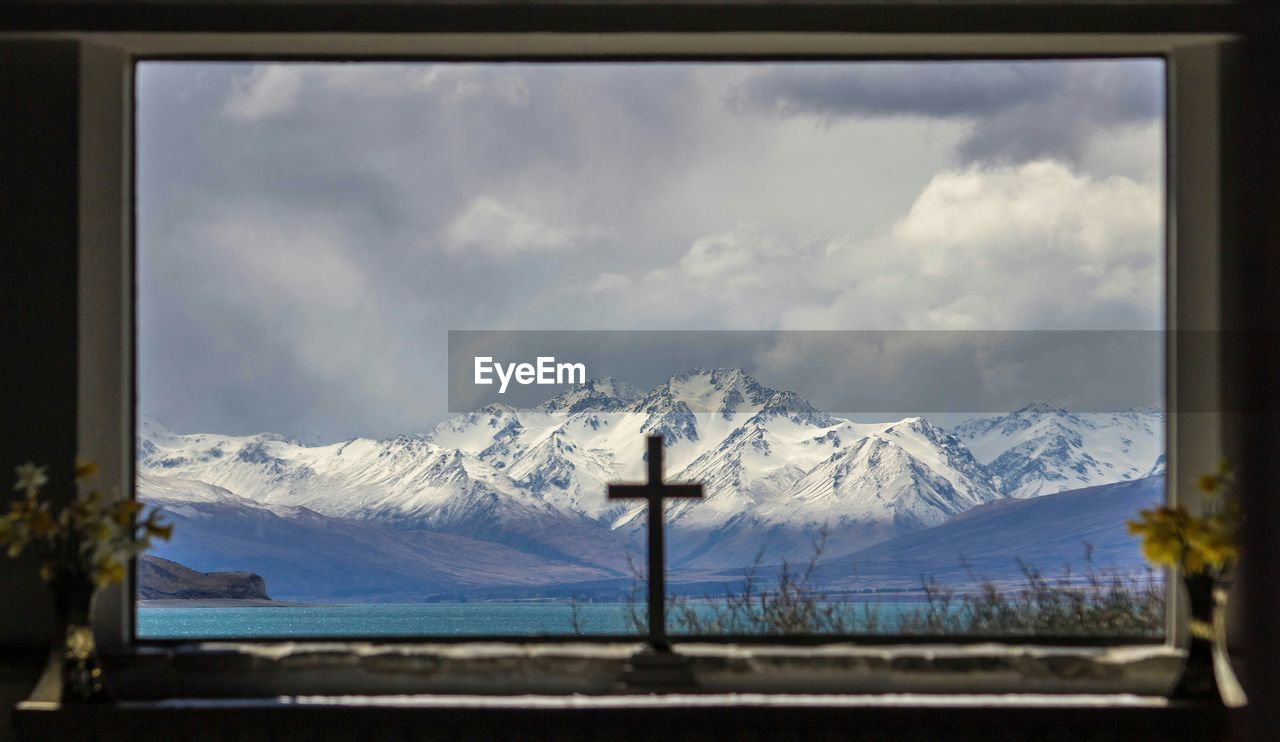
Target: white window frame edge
{"x":106,"y":354}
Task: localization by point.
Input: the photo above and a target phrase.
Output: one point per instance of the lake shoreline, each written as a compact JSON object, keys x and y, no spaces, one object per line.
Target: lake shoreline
{"x":892,"y":598}
{"x":222,"y":603}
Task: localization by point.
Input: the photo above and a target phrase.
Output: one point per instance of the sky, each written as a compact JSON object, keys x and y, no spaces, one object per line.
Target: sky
{"x":308,"y":233}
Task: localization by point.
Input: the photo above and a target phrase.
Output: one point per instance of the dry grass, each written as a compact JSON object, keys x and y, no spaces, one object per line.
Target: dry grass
{"x":1093,"y":603}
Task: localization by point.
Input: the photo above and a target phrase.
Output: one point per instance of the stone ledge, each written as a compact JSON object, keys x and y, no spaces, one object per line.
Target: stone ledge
{"x":224,"y":670}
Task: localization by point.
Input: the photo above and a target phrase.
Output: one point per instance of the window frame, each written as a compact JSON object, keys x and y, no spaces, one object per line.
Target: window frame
{"x":1194,"y":64}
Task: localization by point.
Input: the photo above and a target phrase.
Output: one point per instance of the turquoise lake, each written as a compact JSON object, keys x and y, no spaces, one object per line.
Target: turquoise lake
{"x":394,"y":619}
{"x":380,"y":619}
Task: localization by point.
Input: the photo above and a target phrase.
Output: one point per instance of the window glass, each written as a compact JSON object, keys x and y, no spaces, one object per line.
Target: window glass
{"x":400,"y":326}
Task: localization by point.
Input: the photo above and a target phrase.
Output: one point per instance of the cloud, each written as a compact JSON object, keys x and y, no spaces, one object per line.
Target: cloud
{"x":270,"y":311}
{"x":303,"y":277}
{"x":489,"y":225}
{"x":897,"y":88}
{"x":1035,"y":246}
{"x":453,"y":82}
{"x":924,"y":372}
{"x":608,"y":283}
{"x":1030,"y":246}
{"x":268,"y":91}
{"x":1019,"y":111}
{"x":733,"y":259}
{"x":1032,"y":210}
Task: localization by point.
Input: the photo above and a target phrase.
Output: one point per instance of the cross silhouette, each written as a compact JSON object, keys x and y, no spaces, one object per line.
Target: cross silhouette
{"x":655,"y":492}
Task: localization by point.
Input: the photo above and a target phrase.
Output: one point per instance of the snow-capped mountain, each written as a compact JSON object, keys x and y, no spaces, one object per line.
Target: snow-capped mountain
{"x":1043,"y":448}
{"x":776,"y":470}
{"x":601,"y":395}
{"x":915,"y":472}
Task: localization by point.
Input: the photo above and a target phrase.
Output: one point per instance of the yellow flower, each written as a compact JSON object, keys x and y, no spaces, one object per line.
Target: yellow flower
{"x":93,"y":534}
{"x":1220,"y":480}
{"x":101,"y":533}
{"x":1213,"y":541}
{"x":85,"y":469}
{"x":1172,"y":537}
{"x":85,"y":509}
{"x":109,"y":571}
{"x":30,"y":478}
{"x":41,"y":524}
{"x":88,"y":499}
{"x":122,"y":512}
{"x":1161,"y":530}
{"x":162,"y":532}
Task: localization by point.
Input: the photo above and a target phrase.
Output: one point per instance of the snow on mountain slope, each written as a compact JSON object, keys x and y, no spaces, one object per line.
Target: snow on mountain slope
{"x":755,"y":464}
{"x":605,"y":394}
{"x":494,"y":433}
{"x":173,"y":489}
{"x":697,"y":410}
{"x":407,"y":479}
{"x":856,"y":483}
{"x":1042,"y":448}
{"x":910,"y":476}
{"x":569,"y":475}
{"x":784,"y":470}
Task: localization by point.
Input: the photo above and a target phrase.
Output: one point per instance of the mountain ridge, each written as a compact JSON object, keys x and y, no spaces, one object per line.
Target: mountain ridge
{"x":771,"y":463}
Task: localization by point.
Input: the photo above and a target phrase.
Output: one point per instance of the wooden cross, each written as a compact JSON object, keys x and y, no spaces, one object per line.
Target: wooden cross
{"x":655,"y":492}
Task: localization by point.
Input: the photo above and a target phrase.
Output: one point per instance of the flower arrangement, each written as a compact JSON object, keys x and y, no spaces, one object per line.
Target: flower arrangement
{"x":82,"y":548}
{"x":1204,"y":544}
{"x":1203,"y":549}
{"x":89,"y":540}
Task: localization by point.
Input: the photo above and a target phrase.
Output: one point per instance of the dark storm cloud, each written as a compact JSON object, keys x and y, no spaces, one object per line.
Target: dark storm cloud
{"x":1020,"y":111}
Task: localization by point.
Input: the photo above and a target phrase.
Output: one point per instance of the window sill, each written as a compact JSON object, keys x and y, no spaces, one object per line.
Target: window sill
{"x":674,"y":717}
{"x":469,"y":691}
{"x":231,"y":670}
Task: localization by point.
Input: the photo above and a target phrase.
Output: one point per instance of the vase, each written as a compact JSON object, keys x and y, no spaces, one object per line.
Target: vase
{"x":1207,"y":674}
{"x":74,"y":670}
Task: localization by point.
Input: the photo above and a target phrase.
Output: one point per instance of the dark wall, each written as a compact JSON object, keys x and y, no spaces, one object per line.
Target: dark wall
{"x":39,"y":228}
{"x":39,"y":225}
{"x":408,"y":16}
{"x":1252,"y":357}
